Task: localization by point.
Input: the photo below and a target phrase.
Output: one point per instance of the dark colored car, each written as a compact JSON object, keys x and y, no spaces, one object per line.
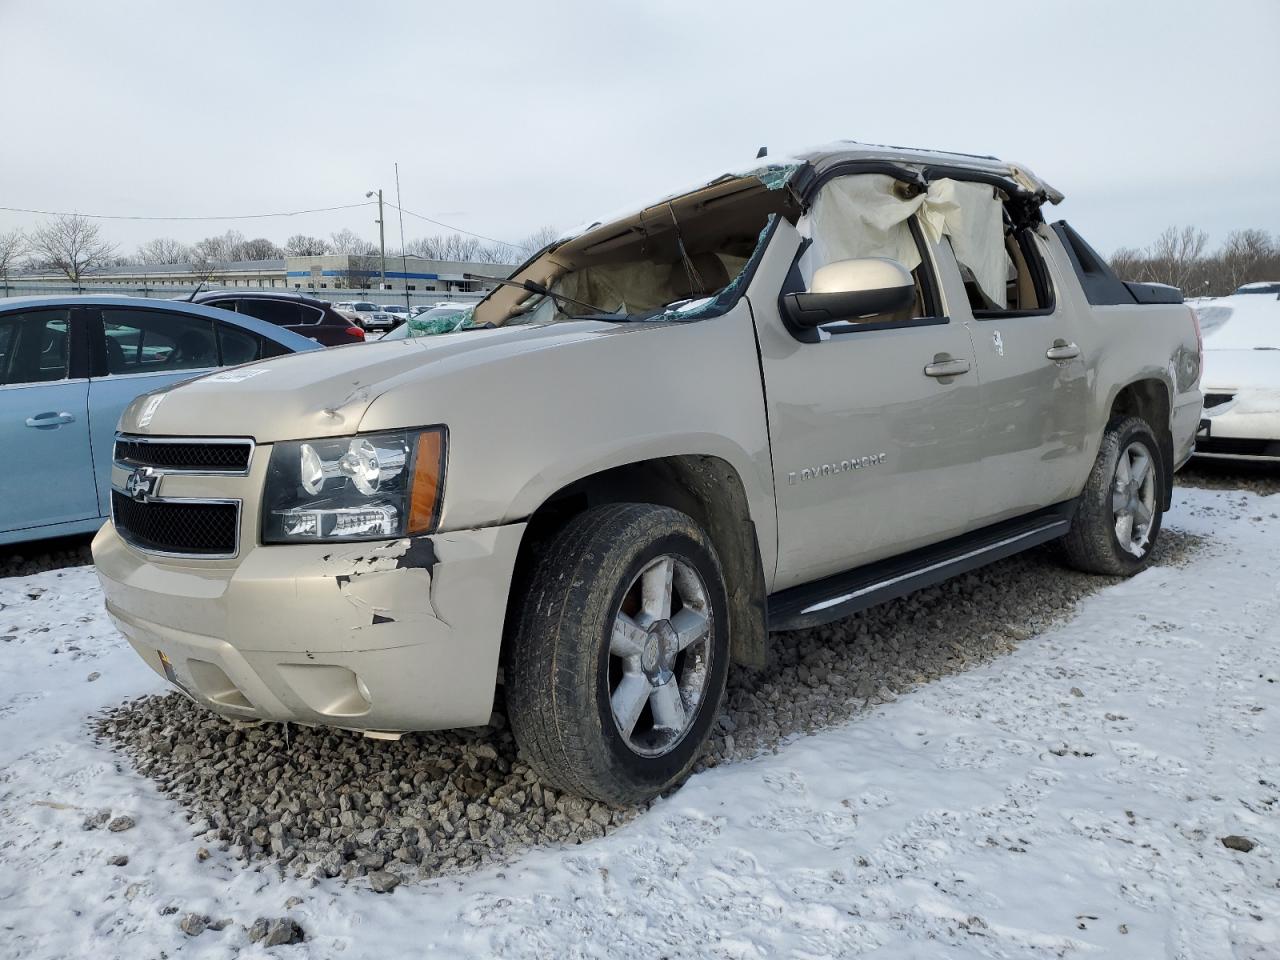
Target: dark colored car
{"x":305,"y":315}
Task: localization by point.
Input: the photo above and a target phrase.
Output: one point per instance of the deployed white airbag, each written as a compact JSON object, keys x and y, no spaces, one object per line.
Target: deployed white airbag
{"x":862,"y":215}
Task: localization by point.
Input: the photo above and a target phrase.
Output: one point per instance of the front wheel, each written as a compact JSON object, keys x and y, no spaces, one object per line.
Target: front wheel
{"x":1118,"y":519}
{"x":618,"y":664}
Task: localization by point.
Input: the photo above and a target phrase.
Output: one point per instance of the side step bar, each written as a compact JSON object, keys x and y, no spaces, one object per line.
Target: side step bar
{"x":843,"y":594}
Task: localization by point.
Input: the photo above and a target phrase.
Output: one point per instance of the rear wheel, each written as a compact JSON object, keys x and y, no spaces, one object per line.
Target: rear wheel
{"x":619,"y":660}
{"x":1118,"y":519}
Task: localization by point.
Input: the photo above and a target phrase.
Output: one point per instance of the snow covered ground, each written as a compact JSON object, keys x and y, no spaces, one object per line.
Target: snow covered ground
{"x":1067,"y":800}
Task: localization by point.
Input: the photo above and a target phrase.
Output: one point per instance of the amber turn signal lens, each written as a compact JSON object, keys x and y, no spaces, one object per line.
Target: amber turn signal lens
{"x":427,"y":484}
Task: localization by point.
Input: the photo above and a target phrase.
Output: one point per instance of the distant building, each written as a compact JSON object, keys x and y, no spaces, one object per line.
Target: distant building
{"x":365,"y":272}
{"x":303,"y":274}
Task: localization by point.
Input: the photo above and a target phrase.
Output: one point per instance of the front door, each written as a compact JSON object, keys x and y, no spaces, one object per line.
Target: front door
{"x":139,"y":350}
{"x":44,"y":425}
{"x":873,"y":428}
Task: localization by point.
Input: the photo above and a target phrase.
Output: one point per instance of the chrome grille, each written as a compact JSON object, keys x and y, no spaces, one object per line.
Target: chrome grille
{"x":191,"y":528}
{"x":185,"y":455}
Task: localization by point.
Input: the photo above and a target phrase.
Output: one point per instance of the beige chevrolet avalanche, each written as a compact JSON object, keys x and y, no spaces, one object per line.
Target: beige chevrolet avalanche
{"x":758,"y":405}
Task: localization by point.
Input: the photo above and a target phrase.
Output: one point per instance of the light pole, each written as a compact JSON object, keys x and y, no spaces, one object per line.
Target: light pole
{"x":382,"y":237}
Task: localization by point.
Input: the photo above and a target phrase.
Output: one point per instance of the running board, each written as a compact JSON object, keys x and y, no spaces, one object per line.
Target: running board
{"x":831,"y":598}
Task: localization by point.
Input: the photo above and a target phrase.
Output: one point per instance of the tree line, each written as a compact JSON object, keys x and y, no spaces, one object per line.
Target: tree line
{"x":76,"y":247}
{"x":1180,"y":257}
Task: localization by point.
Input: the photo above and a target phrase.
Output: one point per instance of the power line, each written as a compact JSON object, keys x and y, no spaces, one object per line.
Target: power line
{"x":261,"y":216}
{"x":242,"y":216}
{"x":449,"y":226}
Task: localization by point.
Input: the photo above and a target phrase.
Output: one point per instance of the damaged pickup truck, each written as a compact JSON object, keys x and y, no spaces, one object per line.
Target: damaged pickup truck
{"x":755,"y":406}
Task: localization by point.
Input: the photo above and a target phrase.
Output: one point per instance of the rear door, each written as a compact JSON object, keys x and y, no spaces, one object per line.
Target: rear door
{"x":48,"y":477}
{"x":1035,"y":392}
{"x":872,"y":455}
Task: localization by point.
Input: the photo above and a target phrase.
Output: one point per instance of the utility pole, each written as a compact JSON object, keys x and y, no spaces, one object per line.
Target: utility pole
{"x":382,"y":238}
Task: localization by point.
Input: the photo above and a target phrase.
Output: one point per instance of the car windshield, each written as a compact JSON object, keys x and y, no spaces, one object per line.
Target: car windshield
{"x":364,"y":307}
{"x":671,"y":259}
{"x":431,"y":322}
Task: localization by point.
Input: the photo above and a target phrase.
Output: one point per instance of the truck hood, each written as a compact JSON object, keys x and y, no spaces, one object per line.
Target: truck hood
{"x":326,"y":392}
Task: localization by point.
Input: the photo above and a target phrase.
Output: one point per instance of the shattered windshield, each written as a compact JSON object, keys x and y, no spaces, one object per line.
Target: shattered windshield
{"x":431,"y":322}
{"x":668,"y":261}
{"x":680,"y":259}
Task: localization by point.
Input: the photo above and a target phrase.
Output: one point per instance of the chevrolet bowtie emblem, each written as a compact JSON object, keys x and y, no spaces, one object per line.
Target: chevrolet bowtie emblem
{"x":141,"y":484}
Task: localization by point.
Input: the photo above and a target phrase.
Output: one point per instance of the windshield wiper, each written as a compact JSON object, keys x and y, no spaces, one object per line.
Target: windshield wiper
{"x":597,"y":313}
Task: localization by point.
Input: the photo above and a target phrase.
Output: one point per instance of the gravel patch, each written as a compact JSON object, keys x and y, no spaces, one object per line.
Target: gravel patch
{"x":37,"y":556}
{"x":1260,"y":478}
{"x":326,"y":803}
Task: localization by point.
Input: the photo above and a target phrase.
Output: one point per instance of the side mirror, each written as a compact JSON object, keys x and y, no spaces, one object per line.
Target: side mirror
{"x":855,"y":291}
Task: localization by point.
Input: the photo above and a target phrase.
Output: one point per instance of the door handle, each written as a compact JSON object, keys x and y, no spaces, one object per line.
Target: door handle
{"x":944,"y":365}
{"x":1061,"y":350}
{"x":49,"y":419}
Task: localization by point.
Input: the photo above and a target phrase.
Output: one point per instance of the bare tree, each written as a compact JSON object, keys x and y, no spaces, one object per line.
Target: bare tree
{"x":350,"y":242}
{"x":72,"y":245}
{"x":220,"y":249}
{"x":164,"y":250}
{"x":1129,"y":263}
{"x":300,"y":245}
{"x":1175,"y":255}
{"x":259,"y":248}
{"x":1244,"y":254}
{"x":13,"y":244}
{"x":538,"y":239}
{"x":358,"y":272}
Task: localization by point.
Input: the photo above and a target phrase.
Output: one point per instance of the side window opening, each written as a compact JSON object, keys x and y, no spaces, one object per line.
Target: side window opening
{"x":153,"y":341}
{"x":1027,"y":287}
{"x":34,"y":347}
{"x":236,"y":346}
{"x":867,"y":215}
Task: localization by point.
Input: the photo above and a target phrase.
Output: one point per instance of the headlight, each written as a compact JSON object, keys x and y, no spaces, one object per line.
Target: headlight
{"x":373,"y":486}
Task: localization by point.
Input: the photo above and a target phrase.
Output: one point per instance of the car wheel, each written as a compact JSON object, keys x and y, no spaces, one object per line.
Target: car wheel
{"x":1118,"y":519}
{"x":618,"y":662}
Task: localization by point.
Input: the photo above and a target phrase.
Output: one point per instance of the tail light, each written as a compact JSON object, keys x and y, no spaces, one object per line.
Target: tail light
{"x":355,"y":333}
{"x":1195,"y":321}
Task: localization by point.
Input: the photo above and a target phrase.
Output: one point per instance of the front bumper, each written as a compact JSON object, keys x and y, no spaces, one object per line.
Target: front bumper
{"x":386,"y":636}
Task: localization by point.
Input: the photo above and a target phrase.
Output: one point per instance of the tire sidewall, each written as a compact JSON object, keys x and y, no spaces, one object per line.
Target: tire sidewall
{"x":655,"y":773}
{"x":1135,"y":431}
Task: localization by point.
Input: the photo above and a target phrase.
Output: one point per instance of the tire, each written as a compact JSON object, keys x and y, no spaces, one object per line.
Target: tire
{"x":566,"y":668}
{"x":1096,"y":542}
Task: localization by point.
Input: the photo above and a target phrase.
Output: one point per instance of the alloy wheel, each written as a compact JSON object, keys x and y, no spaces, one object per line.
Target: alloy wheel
{"x":1133,"y":498}
{"x":660,"y":656}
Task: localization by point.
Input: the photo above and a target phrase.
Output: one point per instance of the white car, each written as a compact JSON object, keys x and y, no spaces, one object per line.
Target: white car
{"x":368,"y":315}
{"x":397,"y":310}
{"x":1241,"y":381}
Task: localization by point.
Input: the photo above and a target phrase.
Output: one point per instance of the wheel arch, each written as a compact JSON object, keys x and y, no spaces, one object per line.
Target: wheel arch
{"x":707,"y":488}
{"x":1150,"y":398}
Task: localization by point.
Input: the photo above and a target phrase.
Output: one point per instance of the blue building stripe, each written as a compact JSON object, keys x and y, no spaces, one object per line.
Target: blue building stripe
{"x":391,"y":274}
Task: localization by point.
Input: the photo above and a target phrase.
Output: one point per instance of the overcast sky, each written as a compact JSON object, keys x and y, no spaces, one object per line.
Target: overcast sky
{"x":507,"y":116}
